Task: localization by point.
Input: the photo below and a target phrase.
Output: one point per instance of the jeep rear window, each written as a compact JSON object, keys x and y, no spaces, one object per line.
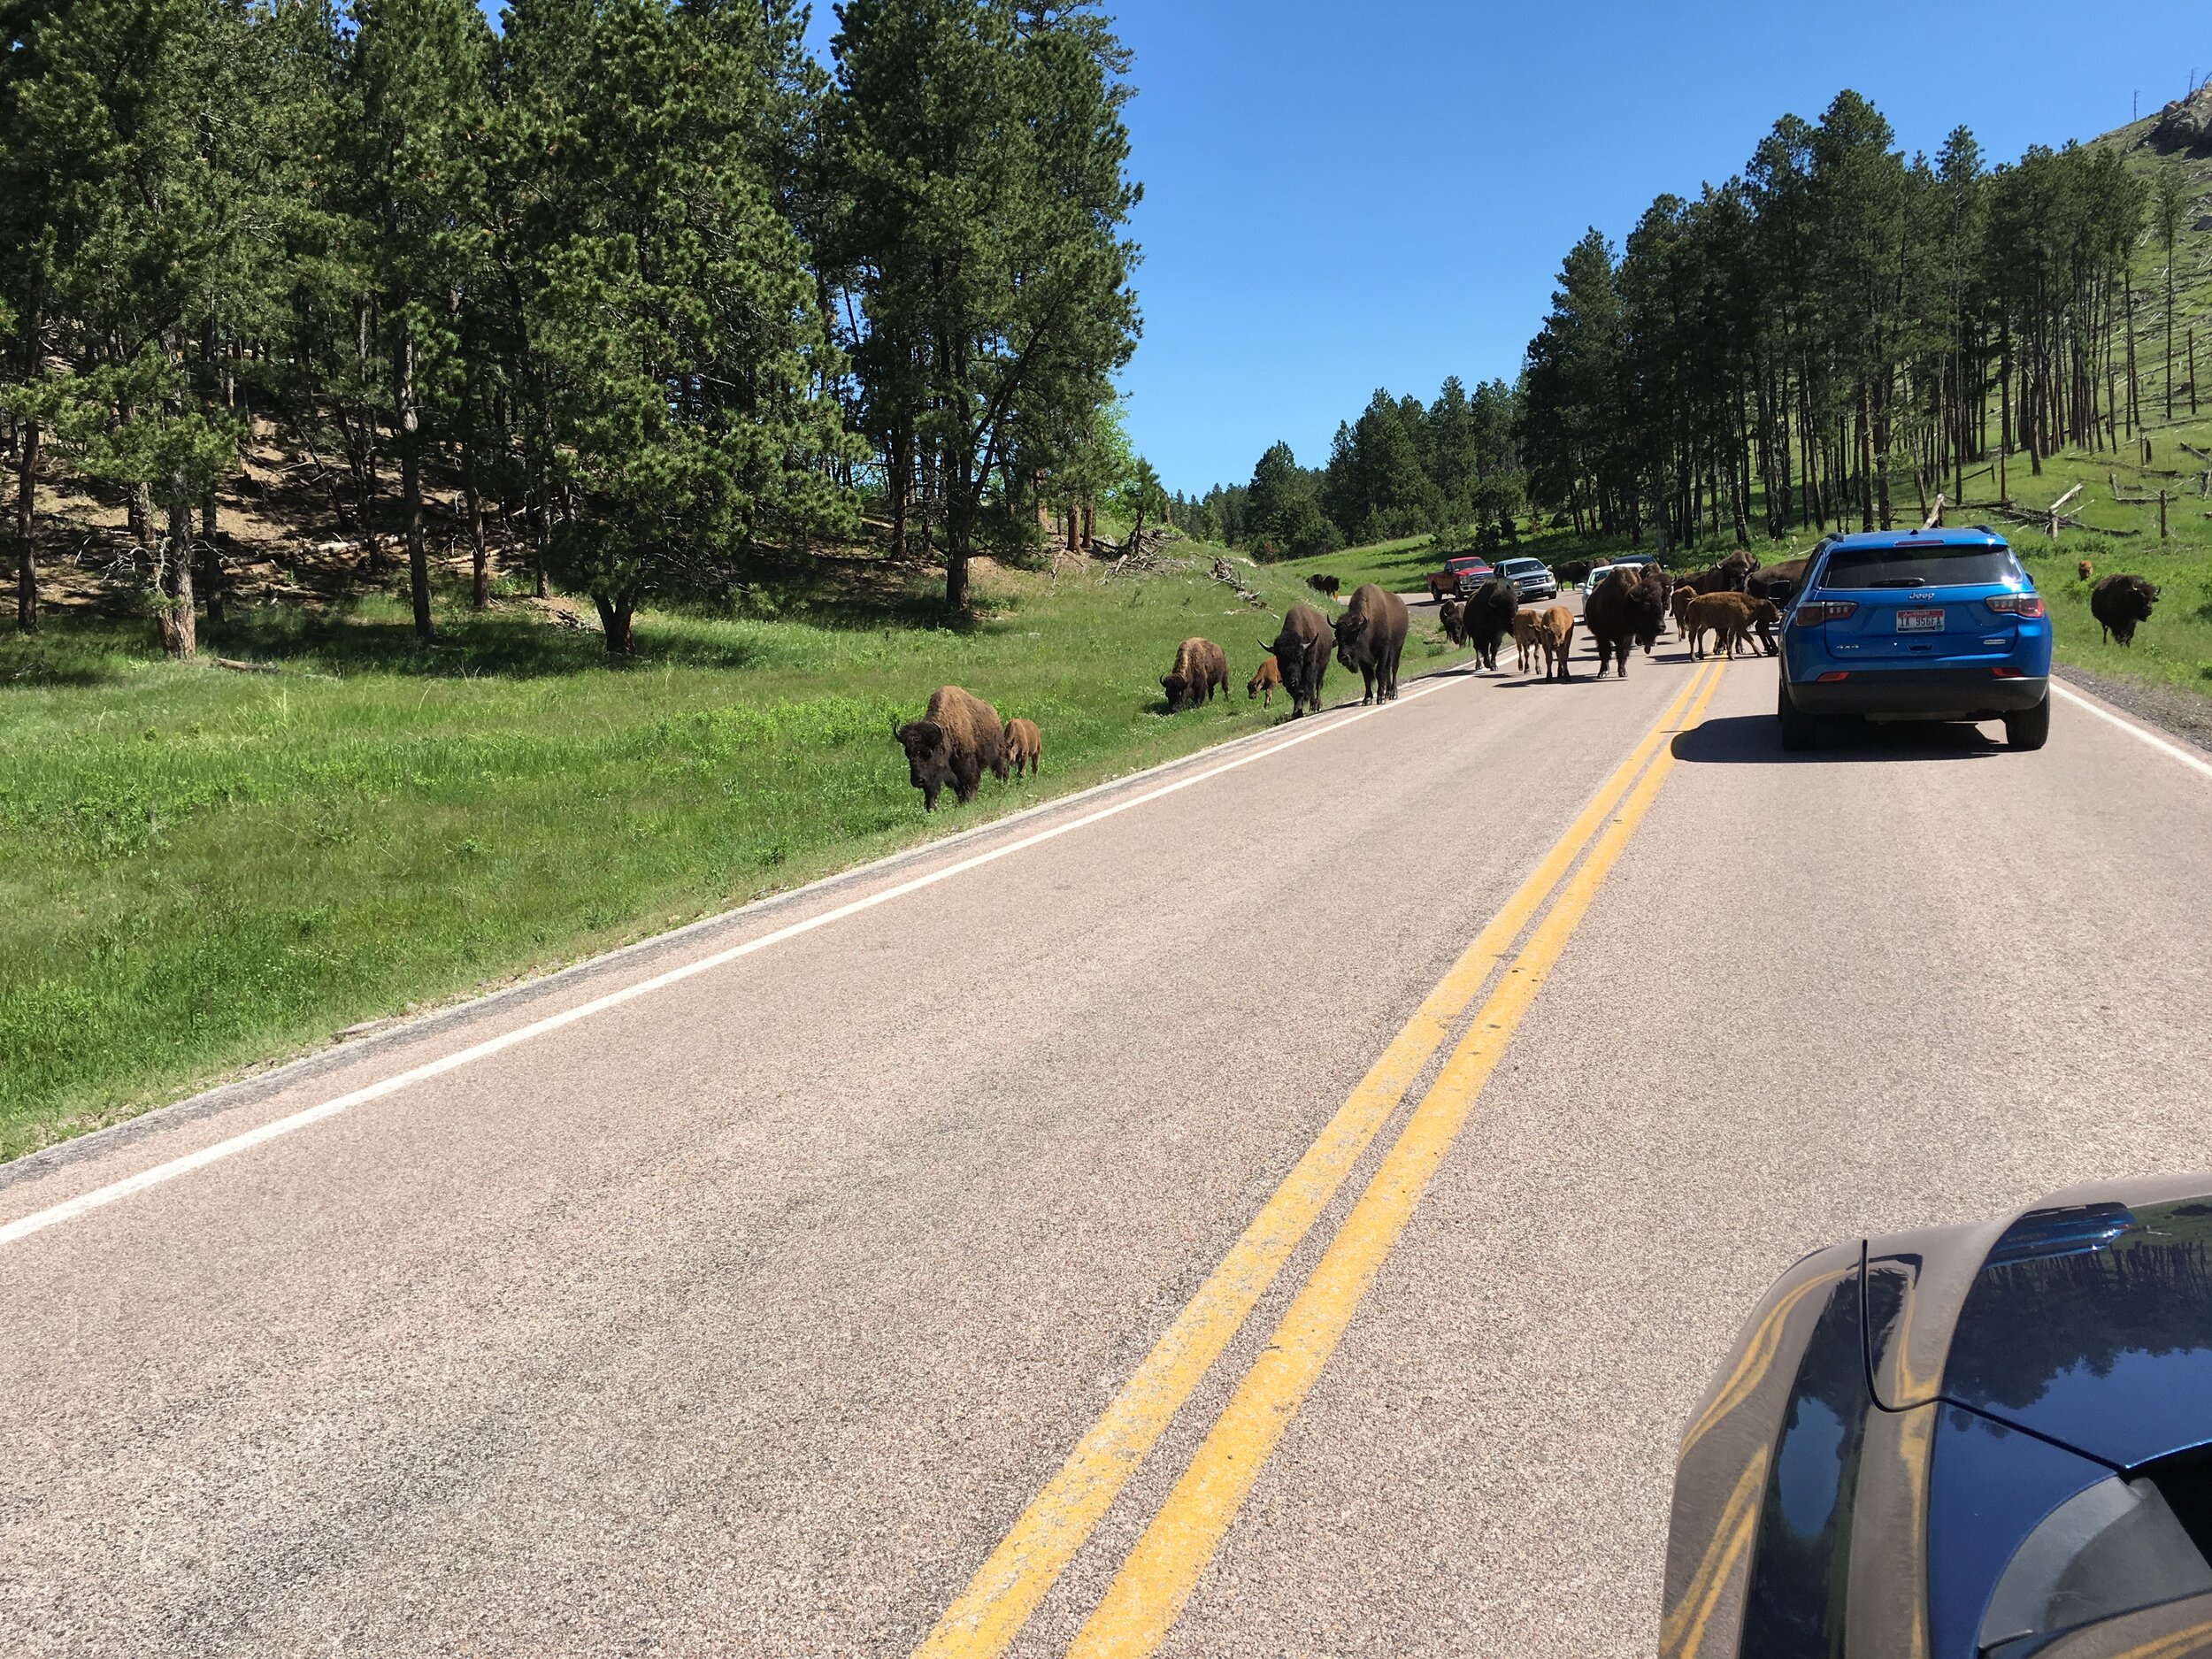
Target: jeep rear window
{"x":1935,"y":565}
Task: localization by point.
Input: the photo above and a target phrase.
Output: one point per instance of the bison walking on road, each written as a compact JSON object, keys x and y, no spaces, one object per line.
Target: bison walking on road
{"x":955,"y":741}
{"x":1300,"y":651}
{"x":1487,"y":617}
{"x":1528,"y":633}
{"x":1556,"y":634}
{"x":2119,"y":602}
{"x":1623,"y":609}
{"x":1370,"y":636}
{"x":1451,"y":616}
{"x":1201,"y":669}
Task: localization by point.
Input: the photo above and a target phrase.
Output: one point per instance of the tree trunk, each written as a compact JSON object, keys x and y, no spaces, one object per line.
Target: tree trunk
{"x":410,"y":477}
{"x":615,"y":615}
{"x":26,"y":522}
{"x":180,"y":625}
{"x":481,"y":575}
{"x":210,"y":559}
{"x":900,"y":479}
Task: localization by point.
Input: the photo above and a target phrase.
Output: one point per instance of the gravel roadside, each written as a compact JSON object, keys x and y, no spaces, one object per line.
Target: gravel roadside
{"x":2182,"y":714}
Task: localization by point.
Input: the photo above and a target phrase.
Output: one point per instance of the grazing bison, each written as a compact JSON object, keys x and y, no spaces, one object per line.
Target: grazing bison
{"x":1528,"y":635}
{"x":1322,"y":584}
{"x":1265,"y":682}
{"x":1201,"y":669}
{"x":1020,"y":744}
{"x":1451,"y":616}
{"x":2085,"y":569}
{"x":1300,"y":651}
{"x":1487,"y":617}
{"x":1624,"y":608}
{"x":955,"y":743}
{"x":1370,"y":636}
{"x":2119,"y":602}
{"x":1555,"y":633}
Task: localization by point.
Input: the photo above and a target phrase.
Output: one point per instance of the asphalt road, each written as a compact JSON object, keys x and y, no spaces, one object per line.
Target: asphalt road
{"x":748,"y":1314}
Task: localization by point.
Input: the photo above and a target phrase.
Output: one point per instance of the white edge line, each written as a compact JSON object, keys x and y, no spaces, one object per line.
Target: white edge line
{"x":70,"y":1210}
{"x":2197,"y":763}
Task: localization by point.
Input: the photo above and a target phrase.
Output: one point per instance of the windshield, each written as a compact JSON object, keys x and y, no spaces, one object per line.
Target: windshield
{"x":1929,"y":565}
{"x":1520,"y":567}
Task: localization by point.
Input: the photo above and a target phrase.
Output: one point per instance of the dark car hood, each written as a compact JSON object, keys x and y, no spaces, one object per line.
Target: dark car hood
{"x":2088,"y":1321}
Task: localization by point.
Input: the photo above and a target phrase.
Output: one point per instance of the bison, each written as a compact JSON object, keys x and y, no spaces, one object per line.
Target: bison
{"x":1300,"y":651}
{"x":1652,"y":617}
{"x":1322,"y":584}
{"x":1776,"y":582}
{"x":1528,"y":627}
{"x":1451,"y":616}
{"x":1370,"y":636}
{"x":1725,"y":616}
{"x":1556,"y":633}
{"x":2085,"y":569}
{"x":1623,"y":609}
{"x":1680,"y":605}
{"x":1201,"y":669}
{"x":1265,"y":682}
{"x":1487,"y":617}
{"x":955,"y":741}
{"x":2119,"y":602}
{"x":1021,"y":744}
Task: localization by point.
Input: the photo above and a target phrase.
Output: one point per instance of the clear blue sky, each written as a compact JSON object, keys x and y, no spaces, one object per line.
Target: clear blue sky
{"x":1339,"y":198}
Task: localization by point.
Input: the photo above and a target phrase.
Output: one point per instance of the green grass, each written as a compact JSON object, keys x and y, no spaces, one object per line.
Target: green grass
{"x":208,"y":868}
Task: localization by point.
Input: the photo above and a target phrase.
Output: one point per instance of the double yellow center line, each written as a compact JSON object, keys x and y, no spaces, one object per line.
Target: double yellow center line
{"x":1156,"y":1579}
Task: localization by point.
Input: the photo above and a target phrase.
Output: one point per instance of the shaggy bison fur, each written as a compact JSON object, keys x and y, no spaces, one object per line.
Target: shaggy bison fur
{"x":1201,"y":669}
{"x":2119,"y":602}
{"x":1487,"y":617}
{"x":1625,"y":609}
{"x":1322,"y":584}
{"x":1451,"y":616}
{"x":1265,"y":682}
{"x":1021,"y":745}
{"x":1370,"y":636}
{"x":955,"y":743}
{"x":1300,"y":651}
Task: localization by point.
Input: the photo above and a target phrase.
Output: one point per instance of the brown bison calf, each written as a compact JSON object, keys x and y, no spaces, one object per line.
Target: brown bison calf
{"x":1021,"y":745}
{"x":1266,"y":679}
{"x":1556,"y":635}
{"x":1528,"y":635}
{"x":2085,"y":569}
{"x":1734,"y":619}
{"x":955,"y":743}
{"x":1680,"y":605}
{"x":1201,"y":668}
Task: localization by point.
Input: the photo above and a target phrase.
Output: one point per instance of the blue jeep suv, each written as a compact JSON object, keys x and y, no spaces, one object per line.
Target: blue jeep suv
{"x":1930,"y":625}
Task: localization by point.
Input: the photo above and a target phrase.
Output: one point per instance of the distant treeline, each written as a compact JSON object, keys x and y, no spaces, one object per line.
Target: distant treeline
{"x":1779,"y":350}
{"x":1400,"y":469}
{"x":649,"y":281}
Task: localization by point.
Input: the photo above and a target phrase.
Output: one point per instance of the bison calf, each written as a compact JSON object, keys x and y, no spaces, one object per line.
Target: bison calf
{"x":1201,"y":669}
{"x":2085,"y":569}
{"x":1528,"y":635}
{"x":955,"y":741}
{"x":1021,"y":745}
{"x":1266,"y":679}
{"x":1556,"y":634}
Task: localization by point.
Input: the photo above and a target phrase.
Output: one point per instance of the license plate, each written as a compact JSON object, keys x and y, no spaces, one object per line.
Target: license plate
{"x":1920,"y":621}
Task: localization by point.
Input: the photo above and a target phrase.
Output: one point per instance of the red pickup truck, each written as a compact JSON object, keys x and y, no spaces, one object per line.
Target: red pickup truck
{"x":1461,"y":575}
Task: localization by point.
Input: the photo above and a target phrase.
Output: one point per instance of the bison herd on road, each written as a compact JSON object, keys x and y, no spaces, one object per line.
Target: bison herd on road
{"x":1735,"y":604}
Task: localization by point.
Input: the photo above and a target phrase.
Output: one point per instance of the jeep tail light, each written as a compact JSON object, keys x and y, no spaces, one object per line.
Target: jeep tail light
{"x":1816,"y":611}
{"x":2017,"y":604}
{"x":1834,"y":675}
{"x":2010,"y":673}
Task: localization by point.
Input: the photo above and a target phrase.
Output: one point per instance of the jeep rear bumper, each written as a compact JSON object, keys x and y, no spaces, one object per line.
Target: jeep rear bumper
{"x":1925,"y":693}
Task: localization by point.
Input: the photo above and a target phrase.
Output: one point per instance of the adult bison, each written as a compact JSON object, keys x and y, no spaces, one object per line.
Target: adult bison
{"x":1370,"y":636}
{"x":1623,"y":609}
{"x":955,"y":741}
{"x":1451,"y":616}
{"x":1652,"y":613}
{"x":1487,"y":617}
{"x":1322,"y":584}
{"x":1201,"y":669}
{"x":1300,"y":651}
{"x":2119,"y":602}
{"x":1776,"y":582}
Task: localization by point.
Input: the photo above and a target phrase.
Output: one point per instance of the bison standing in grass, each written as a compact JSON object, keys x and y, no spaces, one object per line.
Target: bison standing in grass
{"x":1322,"y":584}
{"x":1021,"y":745}
{"x":955,"y":741}
{"x":1201,"y":668}
{"x":1300,"y":651}
{"x":2119,"y":602}
{"x":1266,"y":680}
{"x":1487,"y":617}
{"x":1370,"y":636}
{"x":1623,"y":609}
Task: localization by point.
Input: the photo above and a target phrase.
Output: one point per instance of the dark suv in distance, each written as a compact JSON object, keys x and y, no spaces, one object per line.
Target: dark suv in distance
{"x":1917,"y":625}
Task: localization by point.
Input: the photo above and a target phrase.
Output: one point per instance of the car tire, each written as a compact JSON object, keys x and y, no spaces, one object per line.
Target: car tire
{"x":2030,"y":728}
{"x":1797,"y":726}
